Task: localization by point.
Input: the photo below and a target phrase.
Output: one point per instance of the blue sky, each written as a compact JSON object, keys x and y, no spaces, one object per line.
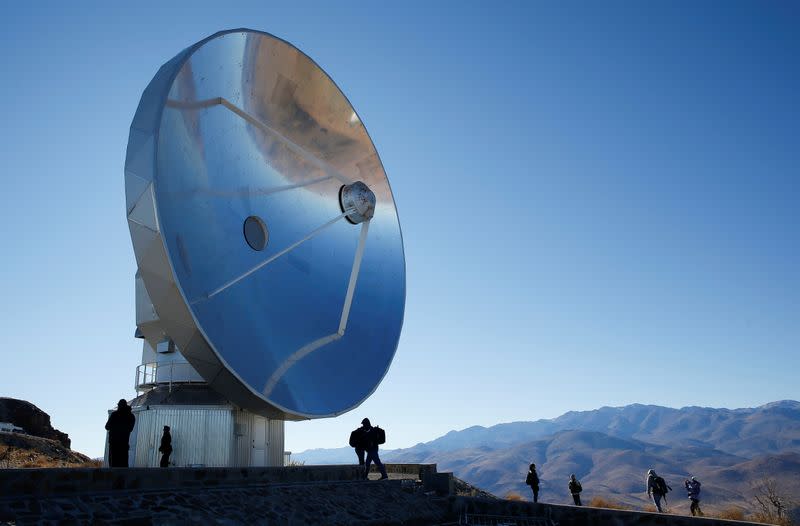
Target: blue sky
{"x":598,"y":200}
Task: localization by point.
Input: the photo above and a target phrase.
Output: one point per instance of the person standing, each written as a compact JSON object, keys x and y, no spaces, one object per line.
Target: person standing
{"x":371,"y":442}
{"x":657,"y":488}
{"x":119,"y":426}
{"x":166,"y":447}
{"x":575,"y":488}
{"x":357,"y":443}
{"x":532,"y":480}
{"x":693,"y":490}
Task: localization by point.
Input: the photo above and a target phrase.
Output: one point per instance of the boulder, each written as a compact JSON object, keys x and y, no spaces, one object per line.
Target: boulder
{"x":30,"y":418}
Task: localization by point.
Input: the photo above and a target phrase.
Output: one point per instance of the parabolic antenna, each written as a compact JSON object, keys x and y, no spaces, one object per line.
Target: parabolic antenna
{"x":264,"y":227}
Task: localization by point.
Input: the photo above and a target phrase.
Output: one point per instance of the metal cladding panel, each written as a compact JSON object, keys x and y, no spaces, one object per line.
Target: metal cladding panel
{"x":134,"y":187}
{"x":145,"y":312}
{"x":172,"y":367}
{"x":144,"y":430}
{"x":144,"y":212}
{"x":139,"y":162}
{"x":200,"y":436}
{"x":155,"y":270}
{"x":243,"y":429}
{"x":149,"y":354}
{"x":245,"y":440}
{"x":143,"y":240}
{"x":179,"y":314}
{"x":276,"y":445}
{"x":243,"y":125}
{"x":105,"y":454}
{"x":219,"y":438}
{"x":148,"y":113}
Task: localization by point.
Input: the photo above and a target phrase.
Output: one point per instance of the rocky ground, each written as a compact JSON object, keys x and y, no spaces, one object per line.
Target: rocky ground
{"x":465,"y":489}
{"x":367,"y":503}
{"x":25,"y":451}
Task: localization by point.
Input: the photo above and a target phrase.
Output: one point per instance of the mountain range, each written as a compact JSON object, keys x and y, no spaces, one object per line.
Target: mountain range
{"x":611,"y":448}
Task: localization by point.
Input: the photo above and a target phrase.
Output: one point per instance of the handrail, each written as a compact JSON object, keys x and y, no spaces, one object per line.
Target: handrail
{"x":149,"y":375}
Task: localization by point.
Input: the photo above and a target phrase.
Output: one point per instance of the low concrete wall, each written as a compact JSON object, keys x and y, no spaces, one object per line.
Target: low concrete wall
{"x":442,"y":483}
{"x":70,"y":481}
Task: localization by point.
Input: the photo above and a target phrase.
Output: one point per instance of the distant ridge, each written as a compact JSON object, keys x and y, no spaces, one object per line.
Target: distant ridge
{"x":610,"y":449}
{"x":747,"y":432}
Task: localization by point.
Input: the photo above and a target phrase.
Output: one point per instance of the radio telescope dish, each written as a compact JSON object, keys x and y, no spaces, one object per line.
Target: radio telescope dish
{"x":264,"y":227}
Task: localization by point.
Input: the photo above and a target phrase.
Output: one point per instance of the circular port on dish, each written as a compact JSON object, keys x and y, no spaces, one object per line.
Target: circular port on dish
{"x":256,"y":233}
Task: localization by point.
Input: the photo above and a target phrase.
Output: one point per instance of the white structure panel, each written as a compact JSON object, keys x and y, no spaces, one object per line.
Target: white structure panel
{"x":206,"y":436}
{"x":200,"y":436}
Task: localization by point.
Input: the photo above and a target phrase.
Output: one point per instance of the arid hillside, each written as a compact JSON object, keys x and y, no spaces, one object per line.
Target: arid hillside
{"x":25,"y":451}
{"x":33,"y":420}
{"x":38,"y":445}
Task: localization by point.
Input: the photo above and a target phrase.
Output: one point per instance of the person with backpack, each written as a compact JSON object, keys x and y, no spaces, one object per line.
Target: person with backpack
{"x":373,"y":436}
{"x":693,"y":490}
{"x":657,"y":488}
{"x":532,"y":480}
{"x":575,"y":488}
{"x":357,"y":443}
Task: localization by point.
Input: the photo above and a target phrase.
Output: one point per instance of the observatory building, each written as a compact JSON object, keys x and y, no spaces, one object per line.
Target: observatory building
{"x":271,"y":275}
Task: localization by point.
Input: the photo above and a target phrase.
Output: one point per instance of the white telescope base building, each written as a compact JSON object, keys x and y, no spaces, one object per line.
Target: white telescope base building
{"x":207,"y":429}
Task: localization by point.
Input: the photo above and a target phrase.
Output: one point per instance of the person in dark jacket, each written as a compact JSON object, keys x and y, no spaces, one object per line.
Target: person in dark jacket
{"x":357,"y":443}
{"x":575,"y":488}
{"x":693,"y":492}
{"x":166,"y":447}
{"x":532,"y":480}
{"x":119,"y":426}
{"x":371,"y":447}
{"x":657,"y":488}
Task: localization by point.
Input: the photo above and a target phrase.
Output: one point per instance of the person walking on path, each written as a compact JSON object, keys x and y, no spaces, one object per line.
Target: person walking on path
{"x":119,"y":426}
{"x":693,"y":490}
{"x":575,"y":488}
{"x":657,"y":488}
{"x":357,"y":442}
{"x":166,"y":447}
{"x":371,"y":441}
{"x":532,"y":480}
